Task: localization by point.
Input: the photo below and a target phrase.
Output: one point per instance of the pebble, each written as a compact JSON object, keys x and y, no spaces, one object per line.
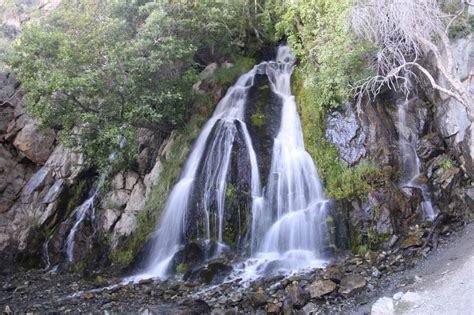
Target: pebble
{"x":397,"y":296}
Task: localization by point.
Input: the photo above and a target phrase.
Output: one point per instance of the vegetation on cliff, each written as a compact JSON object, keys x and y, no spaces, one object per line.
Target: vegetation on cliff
{"x":99,"y":70}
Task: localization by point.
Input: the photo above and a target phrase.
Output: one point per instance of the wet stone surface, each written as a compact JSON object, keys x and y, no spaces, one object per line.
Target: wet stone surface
{"x":349,"y":281}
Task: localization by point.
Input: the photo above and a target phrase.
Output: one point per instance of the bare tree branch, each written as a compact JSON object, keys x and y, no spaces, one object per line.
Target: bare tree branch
{"x":404,"y":31}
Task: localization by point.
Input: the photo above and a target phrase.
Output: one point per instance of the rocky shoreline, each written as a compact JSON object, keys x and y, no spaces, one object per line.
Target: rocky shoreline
{"x":348,"y":283}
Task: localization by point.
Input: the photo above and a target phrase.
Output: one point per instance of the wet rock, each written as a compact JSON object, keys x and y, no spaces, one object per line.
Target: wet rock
{"x":191,"y":255}
{"x":333,"y":273}
{"x":213,"y":272}
{"x":429,"y":146}
{"x":36,"y":144}
{"x":320,"y":288}
{"x":296,"y":295}
{"x":88,"y":296}
{"x":351,"y":285}
{"x":343,"y":130}
{"x":258,"y":298}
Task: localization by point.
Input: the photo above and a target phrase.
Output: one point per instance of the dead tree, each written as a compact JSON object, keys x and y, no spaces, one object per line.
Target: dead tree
{"x":403,"y":31}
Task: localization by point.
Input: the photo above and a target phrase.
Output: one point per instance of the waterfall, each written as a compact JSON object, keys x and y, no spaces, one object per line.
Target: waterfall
{"x":80,"y":213}
{"x":79,"y":216}
{"x":410,"y":162}
{"x":293,"y":220}
{"x":287,"y":221}
{"x":223,"y":125}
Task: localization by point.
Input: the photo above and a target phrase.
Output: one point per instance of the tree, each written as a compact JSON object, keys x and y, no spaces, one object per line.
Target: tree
{"x":98,"y":70}
{"x":404,"y":31}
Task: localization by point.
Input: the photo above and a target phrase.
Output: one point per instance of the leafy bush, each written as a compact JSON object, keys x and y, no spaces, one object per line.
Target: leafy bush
{"x":98,"y":70}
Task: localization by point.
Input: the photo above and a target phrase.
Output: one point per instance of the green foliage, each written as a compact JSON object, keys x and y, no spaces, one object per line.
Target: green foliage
{"x":258,"y":120}
{"x":182,"y":268}
{"x":227,"y":76}
{"x":332,"y":60}
{"x":447,"y":163}
{"x":341,"y":181}
{"x":97,"y":71}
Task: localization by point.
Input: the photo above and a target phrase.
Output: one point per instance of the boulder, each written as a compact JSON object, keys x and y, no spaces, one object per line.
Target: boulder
{"x":343,"y":130}
{"x":296,"y":296}
{"x":152,"y":178}
{"x":137,"y":198}
{"x":131,"y":178}
{"x":320,"y":288}
{"x":213,"y":272}
{"x":429,"y":146}
{"x":116,"y":199}
{"x":412,"y":241}
{"x":258,"y":298}
{"x":108,"y":218}
{"x":451,"y":120}
{"x":65,"y":163}
{"x":34,"y":143}
{"x":333,"y":273}
{"x":351,"y":285}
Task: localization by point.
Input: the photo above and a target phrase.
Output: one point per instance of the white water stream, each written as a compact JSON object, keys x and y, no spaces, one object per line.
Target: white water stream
{"x":410,"y":162}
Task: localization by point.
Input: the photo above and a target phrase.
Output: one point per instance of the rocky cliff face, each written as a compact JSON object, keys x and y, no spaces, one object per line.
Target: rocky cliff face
{"x":41,"y":183}
{"x":443,"y":145}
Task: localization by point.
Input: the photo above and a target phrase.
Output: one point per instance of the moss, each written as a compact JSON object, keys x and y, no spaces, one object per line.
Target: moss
{"x":122,"y":257}
{"x":447,"y":163}
{"x":226,"y":76}
{"x":182,"y":268}
{"x":342,"y":182}
{"x":258,"y":120}
{"x":362,"y":250}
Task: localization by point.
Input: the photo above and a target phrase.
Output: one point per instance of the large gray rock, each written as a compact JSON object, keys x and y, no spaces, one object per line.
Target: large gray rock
{"x":320,"y":288}
{"x":429,"y":146}
{"x":12,"y":178}
{"x":351,"y":285}
{"x":467,"y":149}
{"x":36,"y":144}
{"x":451,"y":120}
{"x":65,"y":163}
{"x":343,"y":130}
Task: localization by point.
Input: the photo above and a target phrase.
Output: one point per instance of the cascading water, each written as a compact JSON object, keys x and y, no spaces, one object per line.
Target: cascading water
{"x":225,"y":123}
{"x":411,"y":165}
{"x":79,"y":216}
{"x":288,"y":221}
{"x":293,"y":219}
